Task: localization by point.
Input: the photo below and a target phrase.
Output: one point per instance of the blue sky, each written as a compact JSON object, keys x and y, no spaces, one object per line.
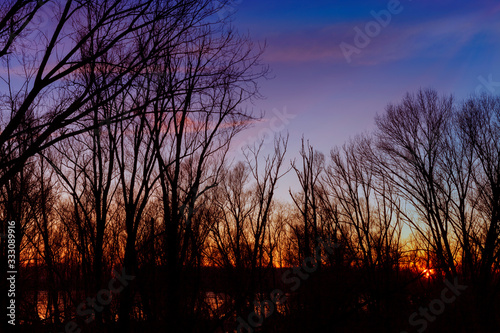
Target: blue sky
{"x":451,"y":46}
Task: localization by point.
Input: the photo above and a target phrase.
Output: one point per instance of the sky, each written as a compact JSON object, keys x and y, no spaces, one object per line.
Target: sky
{"x":329,"y":95}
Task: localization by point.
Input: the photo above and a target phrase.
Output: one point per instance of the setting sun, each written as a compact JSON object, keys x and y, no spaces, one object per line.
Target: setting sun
{"x":428,"y":272}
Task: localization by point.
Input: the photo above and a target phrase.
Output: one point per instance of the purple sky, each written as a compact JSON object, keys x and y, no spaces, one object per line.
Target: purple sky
{"x":452,"y":46}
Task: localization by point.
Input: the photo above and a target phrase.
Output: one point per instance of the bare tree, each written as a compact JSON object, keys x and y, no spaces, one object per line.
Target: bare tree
{"x":265,"y":186}
{"x":16,"y":16}
{"x":51,"y":96}
{"x":479,"y":125}
{"x":458,"y":163}
{"x":207,"y":77}
{"x":411,"y":137}
{"x":241,"y":234}
{"x":309,"y":177}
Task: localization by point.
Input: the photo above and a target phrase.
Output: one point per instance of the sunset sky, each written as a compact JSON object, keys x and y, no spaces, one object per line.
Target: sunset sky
{"x":451,"y":46}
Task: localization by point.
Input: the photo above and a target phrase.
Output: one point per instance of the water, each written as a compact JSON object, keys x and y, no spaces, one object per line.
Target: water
{"x":217,"y":305}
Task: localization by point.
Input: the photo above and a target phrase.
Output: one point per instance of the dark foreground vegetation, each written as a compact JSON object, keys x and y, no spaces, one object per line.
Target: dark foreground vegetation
{"x":131,"y":213}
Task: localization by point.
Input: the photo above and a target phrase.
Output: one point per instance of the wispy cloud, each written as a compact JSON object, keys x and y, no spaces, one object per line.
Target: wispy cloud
{"x":402,"y":39}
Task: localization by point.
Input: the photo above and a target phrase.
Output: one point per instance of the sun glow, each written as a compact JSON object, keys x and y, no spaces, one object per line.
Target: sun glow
{"x":428,"y":272}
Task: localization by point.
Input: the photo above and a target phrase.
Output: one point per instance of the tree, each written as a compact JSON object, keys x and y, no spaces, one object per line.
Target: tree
{"x":16,"y":16}
{"x":411,"y":139}
{"x":309,"y":177}
{"x":207,"y":77}
{"x":479,"y":126}
{"x":48,"y":96}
